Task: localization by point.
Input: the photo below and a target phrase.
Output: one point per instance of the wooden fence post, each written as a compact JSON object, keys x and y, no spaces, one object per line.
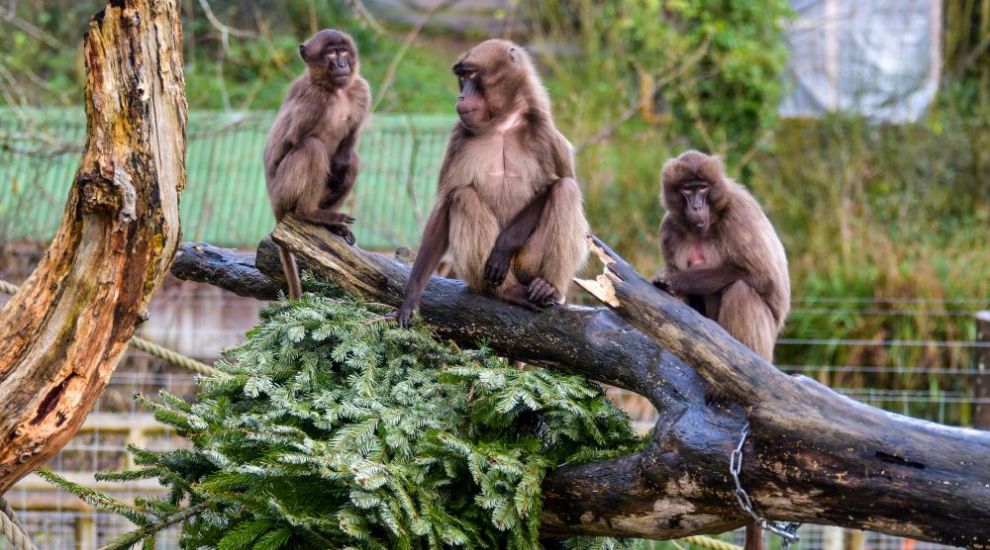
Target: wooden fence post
{"x":981,"y":385}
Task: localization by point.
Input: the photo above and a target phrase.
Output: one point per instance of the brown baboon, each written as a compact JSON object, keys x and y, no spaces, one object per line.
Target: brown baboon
{"x":508,"y":207}
{"x":723,"y":257}
{"x":310,"y":158}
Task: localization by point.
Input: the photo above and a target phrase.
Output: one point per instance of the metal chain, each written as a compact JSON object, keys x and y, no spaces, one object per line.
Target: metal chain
{"x":786,"y":531}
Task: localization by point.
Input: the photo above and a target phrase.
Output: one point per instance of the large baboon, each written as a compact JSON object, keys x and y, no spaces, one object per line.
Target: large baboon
{"x":508,"y":207}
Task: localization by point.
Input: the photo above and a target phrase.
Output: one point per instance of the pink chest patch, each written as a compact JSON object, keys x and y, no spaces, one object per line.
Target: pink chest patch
{"x":697,"y":255}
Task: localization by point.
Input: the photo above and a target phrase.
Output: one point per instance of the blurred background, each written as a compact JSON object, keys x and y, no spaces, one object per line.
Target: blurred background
{"x":862,"y":126}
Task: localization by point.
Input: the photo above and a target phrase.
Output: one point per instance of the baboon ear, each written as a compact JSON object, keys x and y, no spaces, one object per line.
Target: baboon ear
{"x":512,"y":55}
{"x":302,"y":52}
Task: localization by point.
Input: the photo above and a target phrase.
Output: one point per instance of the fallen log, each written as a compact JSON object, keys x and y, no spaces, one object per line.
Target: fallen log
{"x":813,"y":455}
{"x":63,"y":333}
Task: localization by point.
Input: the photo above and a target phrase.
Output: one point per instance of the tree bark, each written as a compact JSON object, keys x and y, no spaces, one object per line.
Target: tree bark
{"x":813,"y":456}
{"x":63,"y":333}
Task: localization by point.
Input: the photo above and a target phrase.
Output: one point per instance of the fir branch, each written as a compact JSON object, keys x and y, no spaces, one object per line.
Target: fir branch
{"x":94,"y":498}
{"x":127,"y":540}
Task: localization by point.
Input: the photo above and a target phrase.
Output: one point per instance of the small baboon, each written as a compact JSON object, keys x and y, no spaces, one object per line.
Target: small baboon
{"x":508,"y":208}
{"x":310,"y":158}
{"x":723,"y":257}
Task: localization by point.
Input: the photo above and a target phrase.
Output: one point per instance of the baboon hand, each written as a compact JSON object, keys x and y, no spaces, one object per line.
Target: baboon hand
{"x":542,"y":293}
{"x":678,"y":283}
{"x":663,"y":284}
{"x":339,"y":218}
{"x":497,"y":267}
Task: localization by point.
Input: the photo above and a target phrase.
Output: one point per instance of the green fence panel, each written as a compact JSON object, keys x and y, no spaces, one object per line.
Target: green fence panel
{"x":225,"y":202}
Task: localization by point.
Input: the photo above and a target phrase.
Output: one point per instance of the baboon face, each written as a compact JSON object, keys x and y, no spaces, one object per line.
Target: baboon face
{"x":490,"y":76}
{"x":331,"y":53}
{"x":694,"y":191}
{"x":696,"y":207}
{"x":471,"y":106}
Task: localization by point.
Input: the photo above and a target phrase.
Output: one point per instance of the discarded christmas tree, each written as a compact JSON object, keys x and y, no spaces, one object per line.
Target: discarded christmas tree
{"x":332,"y":429}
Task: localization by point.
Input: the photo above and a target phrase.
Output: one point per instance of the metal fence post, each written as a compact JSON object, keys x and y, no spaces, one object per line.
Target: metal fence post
{"x":981,"y":383}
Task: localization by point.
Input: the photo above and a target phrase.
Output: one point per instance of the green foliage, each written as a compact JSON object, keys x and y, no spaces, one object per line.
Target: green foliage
{"x":332,"y":429}
{"x":729,"y":98}
{"x":887,"y":212}
{"x":716,"y":65}
{"x":966,"y":57}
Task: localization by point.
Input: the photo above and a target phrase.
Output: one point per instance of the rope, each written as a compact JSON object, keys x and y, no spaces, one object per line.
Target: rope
{"x":710,"y":543}
{"x":150,"y":348}
{"x":7,"y":288}
{"x":7,"y":509}
{"x":13,"y":529}
{"x":173,"y":357}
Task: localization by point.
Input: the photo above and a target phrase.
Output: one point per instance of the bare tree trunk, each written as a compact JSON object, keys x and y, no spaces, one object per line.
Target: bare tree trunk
{"x":63,"y":333}
{"x":813,"y":456}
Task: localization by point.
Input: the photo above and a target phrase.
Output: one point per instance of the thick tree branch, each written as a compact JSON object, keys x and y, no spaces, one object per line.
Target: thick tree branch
{"x":814,"y":456}
{"x":589,"y":341}
{"x":226,"y":268}
{"x":63,"y":333}
{"x":854,"y":464}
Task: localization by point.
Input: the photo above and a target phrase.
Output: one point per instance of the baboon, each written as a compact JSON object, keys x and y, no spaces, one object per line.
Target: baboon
{"x":723,"y":257}
{"x":508,"y":207}
{"x":310,"y":157}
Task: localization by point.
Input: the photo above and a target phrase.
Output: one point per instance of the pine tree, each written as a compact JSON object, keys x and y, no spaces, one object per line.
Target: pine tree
{"x":333,"y":429}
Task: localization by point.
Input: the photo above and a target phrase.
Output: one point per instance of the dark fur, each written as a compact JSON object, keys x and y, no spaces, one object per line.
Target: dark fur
{"x":311,"y":161}
{"x":508,"y":208}
{"x":742,"y":281}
